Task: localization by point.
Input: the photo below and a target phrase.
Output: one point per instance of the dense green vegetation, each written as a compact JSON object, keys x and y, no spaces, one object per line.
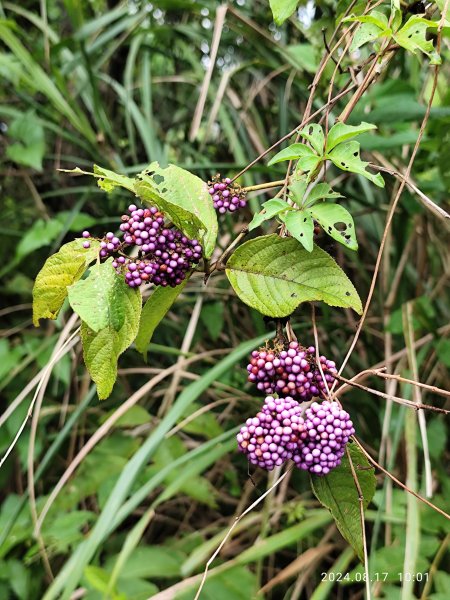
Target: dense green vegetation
{"x":129,"y":497}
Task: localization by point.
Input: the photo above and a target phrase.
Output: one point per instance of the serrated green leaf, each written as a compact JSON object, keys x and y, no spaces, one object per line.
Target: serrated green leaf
{"x":293,"y":152}
{"x":99,"y":299}
{"x":60,"y":271}
{"x":301,"y":227}
{"x":412,"y":37}
{"x":274,"y":275}
{"x":109,"y":180}
{"x":271,"y":208}
{"x":315,"y":136}
{"x":328,"y":215}
{"x":155,"y":309}
{"x":282,"y":9}
{"x":367,"y":32}
{"x":184,"y":198}
{"x":346,"y":156}
{"x":337,"y":492}
{"x":340,"y":132}
{"x":102,"y":349}
{"x":320,"y":191}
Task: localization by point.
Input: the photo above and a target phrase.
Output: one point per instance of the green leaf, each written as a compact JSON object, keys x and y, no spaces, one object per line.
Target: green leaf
{"x":337,"y":492}
{"x":301,"y":227}
{"x":274,"y":275}
{"x":373,"y":26}
{"x":320,"y":191}
{"x":282,"y":9}
{"x":396,"y":14}
{"x":102,"y":349}
{"x":155,"y":309}
{"x":100,"y":299}
{"x":412,"y":37}
{"x":293,"y":152}
{"x":147,"y":562}
{"x":40,"y":234}
{"x":59,"y":271}
{"x":346,"y":156}
{"x":314,"y":134}
{"x":108,"y":180}
{"x":271,"y":208}
{"x":29,"y":146}
{"x":340,"y":132}
{"x":184,"y":198}
{"x":297,"y":189}
{"x":328,"y":215}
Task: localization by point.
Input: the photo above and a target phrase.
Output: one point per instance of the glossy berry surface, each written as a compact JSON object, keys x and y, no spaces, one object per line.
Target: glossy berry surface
{"x":226,"y":197}
{"x":292,"y":371}
{"x":164,"y":254}
{"x":270,"y":438}
{"x":328,"y":429}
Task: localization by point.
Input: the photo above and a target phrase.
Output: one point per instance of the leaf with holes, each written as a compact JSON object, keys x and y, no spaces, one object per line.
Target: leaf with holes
{"x":100,"y":300}
{"x":373,"y":26}
{"x":346,"y":157}
{"x":340,"y":132}
{"x":271,"y":208}
{"x":301,"y":227}
{"x":314,"y":134}
{"x":154,"y":311}
{"x":329,"y":215}
{"x":101,"y":349}
{"x":282,"y":9}
{"x":184,"y":198}
{"x":337,"y":491}
{"x":320,"y":191}
{"x":275,"y":274}
{"x":295,"y":152}
{"x":413,"y":37}
{"x":60,"y":271}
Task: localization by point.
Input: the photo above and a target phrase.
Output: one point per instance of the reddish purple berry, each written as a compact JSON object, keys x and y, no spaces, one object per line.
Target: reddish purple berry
{"x":226,"y":196}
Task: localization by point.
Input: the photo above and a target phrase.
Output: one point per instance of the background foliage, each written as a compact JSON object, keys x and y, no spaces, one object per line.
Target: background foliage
{"x":125,"y":84}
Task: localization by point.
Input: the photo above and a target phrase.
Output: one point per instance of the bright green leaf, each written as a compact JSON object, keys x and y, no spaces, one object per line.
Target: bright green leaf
{"x":396,"y":14}
{"x":155,"y":309}
{"x":184,"y":198}
{"x":293,"y":152}
{"x":412,"y":37}
{"x":328,"y":215}
{"x":271,"y":208}
{"x":282,"y":9}
{"x":108,"y":180}
{"x":346,"y":156}
{"x":60,"y":271}
{"x":337,"y":492}
{"x":297,"y":189}
{"x":100,"y":299}
{"x":373,"y":26}
{"x":301,"y":227}
{"x":275,"y":274}
{"x":147,"y":562}
{"x":340,"y":132}
{"x":28,"y":148}
{"x":102,"y":349}
{"x":320,"y":191}
{"x":315,"y":136}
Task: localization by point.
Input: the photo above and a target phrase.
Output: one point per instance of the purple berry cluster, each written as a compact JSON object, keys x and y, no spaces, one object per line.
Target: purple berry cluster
{"x":225,"y":195}
{"x":315,"y":442}
{"x":292,"y":371}
{"x":328,"y":431}
{"x":271,"y":438}
{"x":164,"y":254}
